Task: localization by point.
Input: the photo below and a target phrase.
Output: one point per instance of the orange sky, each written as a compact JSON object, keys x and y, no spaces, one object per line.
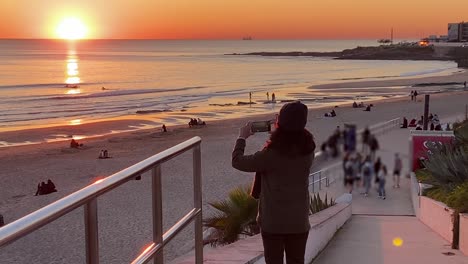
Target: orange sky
{"x":233,"y":19}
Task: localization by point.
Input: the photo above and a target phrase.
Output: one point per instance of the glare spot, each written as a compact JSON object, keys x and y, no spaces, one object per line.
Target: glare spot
{"x":397,"y":242}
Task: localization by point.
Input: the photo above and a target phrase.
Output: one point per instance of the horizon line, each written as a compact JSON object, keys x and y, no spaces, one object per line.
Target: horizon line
{"x":197,"y":39}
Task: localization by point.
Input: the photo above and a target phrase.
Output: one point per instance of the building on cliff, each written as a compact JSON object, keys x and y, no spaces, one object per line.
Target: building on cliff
{"x":458,"y":32}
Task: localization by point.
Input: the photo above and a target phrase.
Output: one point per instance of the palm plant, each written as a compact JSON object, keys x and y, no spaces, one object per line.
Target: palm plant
{"x":234,"y":216}
{"x":317,"y":204}
{"x":448,"y":166}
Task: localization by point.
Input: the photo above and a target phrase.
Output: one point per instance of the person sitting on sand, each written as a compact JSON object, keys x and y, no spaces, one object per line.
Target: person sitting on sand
{"x":75,"y":144}
{"x":368,"y":108}
{"x":164,"y":129}
{"x":431,"y":117}
{"x":330,"y":114}
{"x":418,"y":127}
{"x":50,"y":187}
{"x":438,"y":127}
{"x":193,"y":122}
{"x":412,"y":123}
{"x":104,"y":154}
{"x":405,"y":123}
{"x":355,"y":105}
{"x":200,"y":122}
{"x":40,"y":189}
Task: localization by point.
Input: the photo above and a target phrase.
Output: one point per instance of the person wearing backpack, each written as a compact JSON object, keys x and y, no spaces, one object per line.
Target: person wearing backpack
{"x":367,"y":172}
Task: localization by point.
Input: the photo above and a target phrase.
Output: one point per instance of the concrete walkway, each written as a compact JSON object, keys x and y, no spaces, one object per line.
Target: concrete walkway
{"x":369,"y":235}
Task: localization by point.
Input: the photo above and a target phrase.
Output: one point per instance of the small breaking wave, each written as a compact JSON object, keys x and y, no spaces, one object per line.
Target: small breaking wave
{"x":124,"y":92}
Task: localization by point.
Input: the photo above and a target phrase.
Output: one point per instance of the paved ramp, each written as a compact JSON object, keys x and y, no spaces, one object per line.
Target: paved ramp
{"x":368,"y":237}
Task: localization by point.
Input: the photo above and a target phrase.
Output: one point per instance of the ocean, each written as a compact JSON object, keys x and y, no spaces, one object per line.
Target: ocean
{"x":45,"y":83}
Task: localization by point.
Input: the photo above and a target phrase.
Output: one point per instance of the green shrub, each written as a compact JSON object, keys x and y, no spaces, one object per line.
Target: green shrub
{"x":317,"y":204}
{"x":235,"y":216}
{"x":423,"y":175}
{"x":447,"y":166}
{"x":458,"y":198}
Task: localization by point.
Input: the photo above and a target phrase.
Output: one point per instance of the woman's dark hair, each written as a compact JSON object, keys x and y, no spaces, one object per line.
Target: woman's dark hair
{"x":292,"y":143}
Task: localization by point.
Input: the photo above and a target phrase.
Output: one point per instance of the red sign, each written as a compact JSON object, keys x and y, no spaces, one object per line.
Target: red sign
{"x":423,"y":140}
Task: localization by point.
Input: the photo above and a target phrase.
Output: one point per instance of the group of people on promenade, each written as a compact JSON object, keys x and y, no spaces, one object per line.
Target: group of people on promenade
{"x":360,"y":167}
{"x":433,"y":123}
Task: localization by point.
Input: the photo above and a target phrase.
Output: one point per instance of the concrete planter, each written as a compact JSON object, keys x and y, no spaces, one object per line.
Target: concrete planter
{"x":437,"y":216}
{"x":415,"y":187}
{"x":324,"y":225}
{"x":463,"y":244}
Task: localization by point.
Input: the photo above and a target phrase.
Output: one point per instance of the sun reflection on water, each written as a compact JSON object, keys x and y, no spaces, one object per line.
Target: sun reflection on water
{"x":72,"y":76}
{"x":75,"y":122}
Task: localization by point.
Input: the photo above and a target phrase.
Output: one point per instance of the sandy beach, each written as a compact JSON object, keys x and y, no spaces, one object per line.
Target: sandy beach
{"x":124,"y":214}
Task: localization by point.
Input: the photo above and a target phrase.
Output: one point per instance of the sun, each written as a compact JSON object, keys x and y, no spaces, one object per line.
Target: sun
{"x":71,"y":28}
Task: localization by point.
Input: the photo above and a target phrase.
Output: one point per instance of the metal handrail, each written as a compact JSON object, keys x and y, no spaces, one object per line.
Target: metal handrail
{"x":87,"y":197}
{"x":323,"y":175}
{"x":383,"y":127}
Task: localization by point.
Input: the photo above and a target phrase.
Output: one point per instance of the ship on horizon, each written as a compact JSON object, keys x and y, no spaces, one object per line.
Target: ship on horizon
{"x":247,"y":38}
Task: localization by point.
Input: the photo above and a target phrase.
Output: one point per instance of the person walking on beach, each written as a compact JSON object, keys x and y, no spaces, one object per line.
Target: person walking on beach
{"x":415,"y":95}
{"x":382,"y":174}
{"x":273,"y":97}
{"x":412,"y":95}
{"x":464,"y":84}
{"x":397,"y":171}
{"x":250,"y":97}
{"x":268,"y":96}
{"x":283,"y":168}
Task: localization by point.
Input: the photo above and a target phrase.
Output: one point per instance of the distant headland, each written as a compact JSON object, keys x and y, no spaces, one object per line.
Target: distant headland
{"x":383,"y":52}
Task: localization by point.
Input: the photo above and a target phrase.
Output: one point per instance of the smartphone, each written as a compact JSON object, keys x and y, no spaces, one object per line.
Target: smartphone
{"x":261,"y":126}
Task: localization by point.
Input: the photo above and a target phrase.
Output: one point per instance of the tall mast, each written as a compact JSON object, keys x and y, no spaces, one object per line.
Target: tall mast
{"x":391,"y":36}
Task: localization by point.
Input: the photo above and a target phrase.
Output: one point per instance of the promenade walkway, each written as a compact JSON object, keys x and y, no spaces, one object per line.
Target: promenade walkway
{"x":368,"y":237}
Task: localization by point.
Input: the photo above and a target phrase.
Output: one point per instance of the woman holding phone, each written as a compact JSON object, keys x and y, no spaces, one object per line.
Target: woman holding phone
{"x":284,"y":166}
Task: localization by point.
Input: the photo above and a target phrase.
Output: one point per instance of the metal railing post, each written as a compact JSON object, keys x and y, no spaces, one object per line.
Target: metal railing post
{"x":197,"y":200}
{"x":313,"y":183}
{"x":157,"y":212}
{"x":91,"y":232}
{"x":320,"y":180}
